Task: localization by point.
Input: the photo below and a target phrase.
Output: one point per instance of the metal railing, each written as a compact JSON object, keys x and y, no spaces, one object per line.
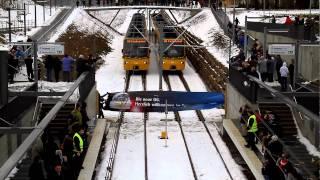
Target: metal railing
{"x":14,"y":159}
{"x":243,"y":84}
{"x":15,"y":25}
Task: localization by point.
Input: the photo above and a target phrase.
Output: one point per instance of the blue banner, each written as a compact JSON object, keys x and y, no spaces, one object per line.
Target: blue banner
{"x":156,"y":101}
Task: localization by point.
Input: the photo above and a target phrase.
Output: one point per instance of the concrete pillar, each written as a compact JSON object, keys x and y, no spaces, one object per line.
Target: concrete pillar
{"x":3,"y":77}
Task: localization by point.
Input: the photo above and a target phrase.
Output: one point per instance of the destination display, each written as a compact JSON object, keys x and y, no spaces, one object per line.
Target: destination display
{"x":157,"y":101}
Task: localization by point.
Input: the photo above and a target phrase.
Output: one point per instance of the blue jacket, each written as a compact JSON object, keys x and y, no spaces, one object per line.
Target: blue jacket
{"x":67,"y":63}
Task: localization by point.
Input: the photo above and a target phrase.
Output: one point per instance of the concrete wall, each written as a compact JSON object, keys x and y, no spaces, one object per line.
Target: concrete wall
{"x":9,"y":142}
{"x":274,"y":39}
{"x":309,"y":62}
{"x":234,"y":100}
{"x":92,"y":103}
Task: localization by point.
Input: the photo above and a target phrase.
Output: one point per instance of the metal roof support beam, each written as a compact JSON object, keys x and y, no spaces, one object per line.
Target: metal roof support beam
{"x":16,"y":130}
{"x":34,"y":93}
{"x":13,"y":160}
{"x":302,"y":94}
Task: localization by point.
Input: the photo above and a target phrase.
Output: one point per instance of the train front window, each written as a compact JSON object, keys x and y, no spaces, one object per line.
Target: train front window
{"x":173,"y":51}
{"x":136,"y":49}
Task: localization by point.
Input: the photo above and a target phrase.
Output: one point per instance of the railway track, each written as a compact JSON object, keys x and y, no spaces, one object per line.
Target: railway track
{"x":202,"y":119}
{"x":114,"y":147}
{"x":145,"y":118}
{"x":178,"y":119}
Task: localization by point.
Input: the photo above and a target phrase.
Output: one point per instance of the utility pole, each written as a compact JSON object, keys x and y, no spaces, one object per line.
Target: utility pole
{"x":35,"y":63}
{"x":4,"y":78}
{"x":161,"y":56}
{"x":35,"y":13}
{"x":44,"y":13}
{"x":9,"y":14}
{"x":50,"y":6}
{"x":24,"y":19}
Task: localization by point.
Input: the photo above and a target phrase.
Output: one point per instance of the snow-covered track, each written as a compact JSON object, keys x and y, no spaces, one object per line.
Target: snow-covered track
{"x":178,"y":119}
{"x":145,"y":118}
{"x":113,"y":152}
{"x":202,"y":119}
{"x":46,"y":31}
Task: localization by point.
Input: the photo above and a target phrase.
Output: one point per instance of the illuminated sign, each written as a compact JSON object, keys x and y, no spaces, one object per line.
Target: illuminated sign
{"x":135,"y":41}
{"x":173,"y":40}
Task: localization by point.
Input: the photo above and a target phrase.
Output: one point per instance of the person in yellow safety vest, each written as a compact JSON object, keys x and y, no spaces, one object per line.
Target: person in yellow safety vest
{"x":78,"y":149}
{"x":252,"y":127}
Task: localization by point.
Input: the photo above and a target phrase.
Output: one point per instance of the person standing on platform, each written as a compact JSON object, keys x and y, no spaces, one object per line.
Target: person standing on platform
{"x":29,"y":61}
{"x":252,"y":127}
{"x":56,"y":68}
{"x":78,"y":149}
{"x":67,"y":62}
{"x":284,"y":76}
{"x":291,"y":71}
{"x":49,"y":67}
{"x":279,"y":63}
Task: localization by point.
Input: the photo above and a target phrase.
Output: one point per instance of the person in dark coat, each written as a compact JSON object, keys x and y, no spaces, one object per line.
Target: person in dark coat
{"x":291,"y":72}
{"x":270,"y":68}
{"x":275,"y":147}
{"x":57,"y":68}
{"x":279,"y":63}
{"x":37,"y":169}
{"x":29,"y":61}
{"x":49,"y":66}
{"x":57,"y":173}
{"x":101,"y":102}
{"x":82,"y":65}
{"x":12,"y":65}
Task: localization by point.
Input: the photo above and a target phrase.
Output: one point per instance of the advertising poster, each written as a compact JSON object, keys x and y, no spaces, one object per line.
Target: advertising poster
{"x":155,"y":101}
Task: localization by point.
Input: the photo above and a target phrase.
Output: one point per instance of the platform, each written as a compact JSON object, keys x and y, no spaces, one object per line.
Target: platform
{"x":248,"y":155}
{"x":93,"y":150}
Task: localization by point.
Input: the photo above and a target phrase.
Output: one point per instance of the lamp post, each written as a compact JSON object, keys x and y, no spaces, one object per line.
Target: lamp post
{"x":35,"y":13}
{"x":9,"y":15}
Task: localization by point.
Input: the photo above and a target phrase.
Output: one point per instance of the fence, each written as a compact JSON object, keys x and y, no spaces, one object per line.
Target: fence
{"x":15,"y":25}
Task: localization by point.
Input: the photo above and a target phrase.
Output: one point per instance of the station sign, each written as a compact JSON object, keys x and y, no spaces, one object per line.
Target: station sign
{"x":281,"y":49}
{"x":51,"y":49}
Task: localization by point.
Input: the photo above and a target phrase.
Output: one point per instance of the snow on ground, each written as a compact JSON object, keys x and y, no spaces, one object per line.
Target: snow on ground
{"x":204,"y":25}
{"x":212,"y":115}
{"x":166,"y":162}
{"x":42,"y":19}
{"x":241,"y":13}
{"x":129,"y":161}
{"x":204,"y":155}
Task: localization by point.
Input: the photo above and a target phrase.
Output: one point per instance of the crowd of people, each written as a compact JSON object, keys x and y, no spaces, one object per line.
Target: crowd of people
{"x":52,"y":64}
{"x":253,"y":126}
{"x":55,"y":159}
{"x":264,"y":68}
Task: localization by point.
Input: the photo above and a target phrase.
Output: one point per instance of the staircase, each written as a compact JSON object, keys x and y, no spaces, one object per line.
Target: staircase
{"x":23,"y":172}
{"x":283,"y":118}
{"x":58,"y":126}
{"x":300,"y":157}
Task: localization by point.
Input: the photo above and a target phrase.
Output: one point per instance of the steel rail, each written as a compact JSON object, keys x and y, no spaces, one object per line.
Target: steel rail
{"x":114,"y":148}
{"x":202,"y":119}
{"x":145,"y":118}
{"x":178,"y":119}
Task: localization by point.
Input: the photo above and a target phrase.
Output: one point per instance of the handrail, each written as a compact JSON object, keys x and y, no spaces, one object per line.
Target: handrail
{"x":3,"y":120}
{"x":13,"y":160}
{"x":36,"y":110}
{"x":285,"y":99}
